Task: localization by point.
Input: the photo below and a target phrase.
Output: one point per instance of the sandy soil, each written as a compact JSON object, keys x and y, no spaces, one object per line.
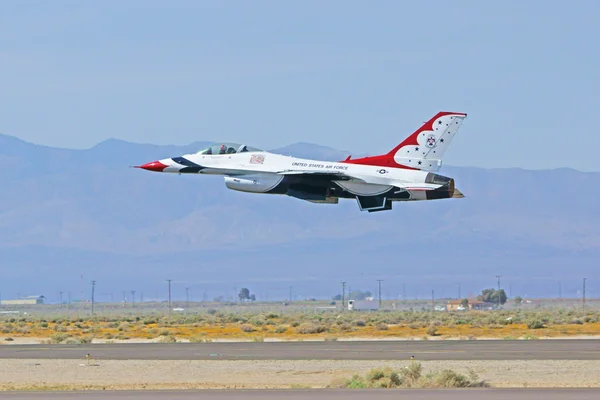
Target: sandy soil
{"x":133,"y":374}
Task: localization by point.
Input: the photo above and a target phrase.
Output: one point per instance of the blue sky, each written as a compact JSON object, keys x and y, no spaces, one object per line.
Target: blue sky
{"x":353,"y":75}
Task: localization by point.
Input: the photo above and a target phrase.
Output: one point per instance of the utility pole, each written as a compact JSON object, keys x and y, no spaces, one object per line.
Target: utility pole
{"x":584,"y":279}
{"x":404,"y":292}
{"x":343,"y":295}
{"x":498,"y":277}
{"x":93,"y":289}
{"x":187,"y":297}
{"x":169,"y":280}
{"x":559,"y":290}
{"x":61,"y":299}
{"x":379,"y":280}
{"x":290,"y":294}
{"x":133,"y":299}
{"x":432,"y":300}
{"x":459,"y":291}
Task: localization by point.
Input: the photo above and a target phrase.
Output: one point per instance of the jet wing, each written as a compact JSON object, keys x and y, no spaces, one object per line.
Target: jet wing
{"x":328,"y":175}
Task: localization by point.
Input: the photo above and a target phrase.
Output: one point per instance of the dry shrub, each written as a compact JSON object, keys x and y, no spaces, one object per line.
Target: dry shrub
{"x":247,"y":328}
{"x":201,"y":338}
{"x":167,"y":339}
{"x":432,"y":330}
{"x":345,"y":327}
{"x":281,"y":329}
{"x":308,"y":328}
{"x":385,"y":378}
{"x":86,"y":339}
{"x":535,"y":324}
{"x":410,"y":377}
{"x":411,"y":374}
{"x":58,"y":338}
{"x":382,"y":327}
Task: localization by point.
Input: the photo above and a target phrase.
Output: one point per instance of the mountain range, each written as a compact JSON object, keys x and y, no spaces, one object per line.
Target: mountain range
{"x":70,"y":216}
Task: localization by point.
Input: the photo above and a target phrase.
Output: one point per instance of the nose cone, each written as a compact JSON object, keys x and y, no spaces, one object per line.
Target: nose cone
{"x":155,"y":166}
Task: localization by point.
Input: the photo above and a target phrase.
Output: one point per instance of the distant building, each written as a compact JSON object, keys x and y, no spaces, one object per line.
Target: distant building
{"x":456,"y":305}
{"x":29,"y":300}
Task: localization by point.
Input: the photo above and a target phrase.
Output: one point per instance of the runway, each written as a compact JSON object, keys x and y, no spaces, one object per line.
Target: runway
{"x":587,"y":349}
{"x":423,"y":394}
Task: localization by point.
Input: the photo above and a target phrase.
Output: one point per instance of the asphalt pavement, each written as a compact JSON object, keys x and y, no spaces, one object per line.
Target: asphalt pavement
{"x":418,"y":394}
{"x":585,"y":349}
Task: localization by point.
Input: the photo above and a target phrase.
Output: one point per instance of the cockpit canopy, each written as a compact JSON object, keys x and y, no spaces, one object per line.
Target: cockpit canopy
{"x":227,"y":148}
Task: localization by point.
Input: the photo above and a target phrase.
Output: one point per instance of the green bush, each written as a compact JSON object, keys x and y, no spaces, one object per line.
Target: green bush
{"x":383,"y":378}
{"x":535,"y":324}
{"x":58,"y":338}
{"x":281,"y":329}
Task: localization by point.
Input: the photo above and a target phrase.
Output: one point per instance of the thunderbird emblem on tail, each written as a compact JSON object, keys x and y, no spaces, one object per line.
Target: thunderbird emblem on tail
{"x":406,"y":173}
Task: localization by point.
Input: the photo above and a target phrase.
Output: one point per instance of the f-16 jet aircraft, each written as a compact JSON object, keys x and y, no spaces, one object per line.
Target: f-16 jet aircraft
{"x":406,"y":173}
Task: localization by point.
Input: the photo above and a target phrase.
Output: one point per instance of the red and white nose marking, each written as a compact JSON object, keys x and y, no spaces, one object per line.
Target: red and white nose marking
{"x":155,"y":166}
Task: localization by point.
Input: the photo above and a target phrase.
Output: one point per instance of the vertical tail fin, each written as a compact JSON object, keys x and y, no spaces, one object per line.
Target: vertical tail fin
{"x":423,"y":149}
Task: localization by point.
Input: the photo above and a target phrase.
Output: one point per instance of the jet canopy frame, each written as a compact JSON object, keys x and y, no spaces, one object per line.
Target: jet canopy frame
{"x":224,"y":148}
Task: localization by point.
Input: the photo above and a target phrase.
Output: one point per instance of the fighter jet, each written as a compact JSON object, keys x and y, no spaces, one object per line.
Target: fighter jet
{"x":407,"y":173}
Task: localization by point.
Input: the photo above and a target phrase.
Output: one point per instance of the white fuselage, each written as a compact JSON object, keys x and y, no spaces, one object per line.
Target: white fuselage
{"x":365,"y":179}
{"x":406,"y":173}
